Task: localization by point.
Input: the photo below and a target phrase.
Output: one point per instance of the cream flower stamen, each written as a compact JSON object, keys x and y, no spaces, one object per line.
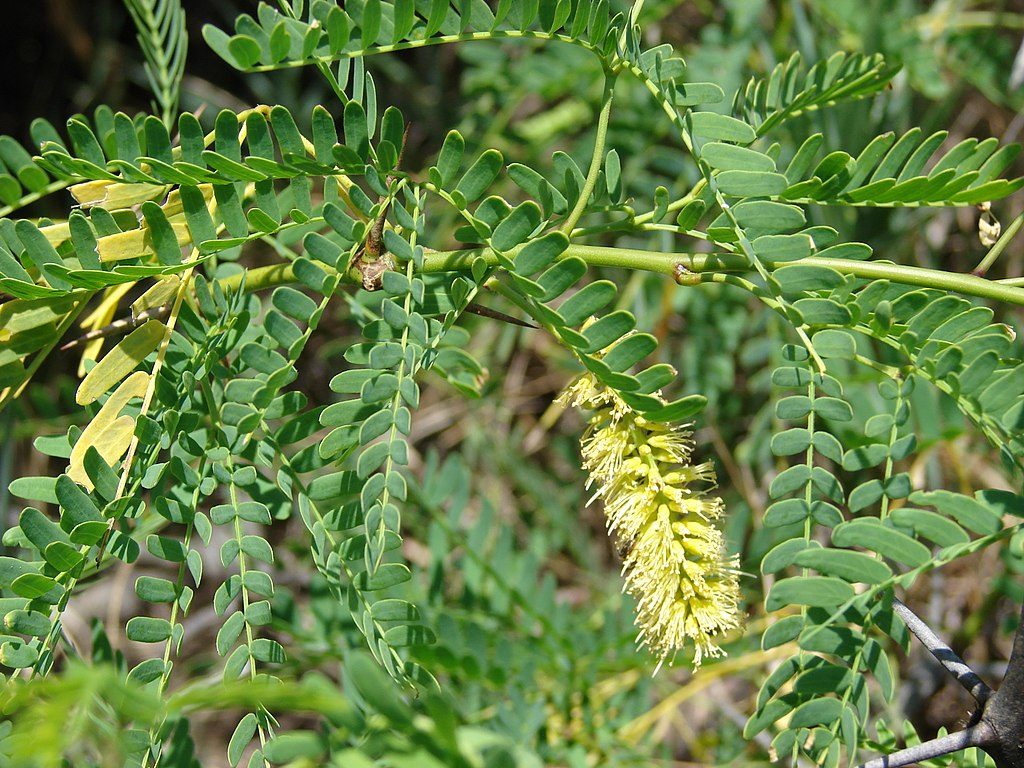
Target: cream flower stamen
{"x":673,"y":555}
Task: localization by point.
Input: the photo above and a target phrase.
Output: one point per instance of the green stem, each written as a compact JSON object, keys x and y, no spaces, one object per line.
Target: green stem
{"x":21,"y":202}
{"x":672,"y":264}
{"x":997,"y":249}
{"x":243,"y":569}
{"x":894,"y":431}
{"x":675,"y":205}
{"x":177,"y":608}
{"x":498,"y":34}
{"x":598,"y":157}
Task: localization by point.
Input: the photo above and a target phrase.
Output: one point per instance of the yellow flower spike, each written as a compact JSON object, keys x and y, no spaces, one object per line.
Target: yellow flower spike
{"x":674,"y":561}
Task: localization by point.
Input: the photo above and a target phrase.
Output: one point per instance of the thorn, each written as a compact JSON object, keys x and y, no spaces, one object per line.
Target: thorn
{"x":494,"y":314}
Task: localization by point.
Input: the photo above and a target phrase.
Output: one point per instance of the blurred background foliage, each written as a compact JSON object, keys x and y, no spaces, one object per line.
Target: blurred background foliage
{"x":535,"y":650}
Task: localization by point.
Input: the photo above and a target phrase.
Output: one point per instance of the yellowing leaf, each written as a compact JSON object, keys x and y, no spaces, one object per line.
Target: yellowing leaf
{"x":120,"y":361}
{"x":20,"y":315}
{"x":111,"y":445}
{"x":56,"y":233}
{"x":109,"y":432}
{"x":136,"y":242}
{"x":115,"y":194}
{"x":159,"y":294}
{"x":174,"y":208}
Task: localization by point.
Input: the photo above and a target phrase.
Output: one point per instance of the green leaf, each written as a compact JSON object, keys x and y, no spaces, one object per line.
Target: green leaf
{"x":166,"y":548}
{"x":387,"y":575}
{"x":765,"y":217}
{"x":875,"y":536}
{"x":394,"y":610}
{"x":683,"y":408}
{"x":450,"y":158}
{"x":969,"y":513}
{"x":815,"y":311}
{"x":586,"y":302}
{"x":160,"y":234}
{"x":782,"y":631}
{"x":279,"y":42}
{"x":854,"y":567}
{"x":789,"y":91}
{"x":244,"y":50}
{"x":540,"y":253}
{"x":63,"y":556}
{"x":776,"y":248}
{"x":268,"y":651}
{"x":40,"y":530}
{"x":816,"y":712}
{"x":370,"y":23}
{"x":790,"y":480}
{"x":480,"y":175}
{"x":711,"y":126}
{"x":751,"y":183}
{"x":823,"y":680}
{"x":147,"y":671}
{"x":405,"y":18}
{"x":929,"y":525}
{"x":837,"y":641}
{"x":31,"y":623}
{"x":155,"y":590}
{"x":790,"y":442}
{"x":613,"y":175}
{"x":630,"y":351}
{"x":608,"y":330}
{"x":435,"y":18}
{"x":18,"y":655}
{"x":42,"y":489}
{"x":729,"y":157}
{"x":783,"y":555}
{"x":794,"y":407}
{"x":339,"y":29}
{"x":240,"y":738}
{"x":295,"y":746}
{"x":831,"y":343}
{"x":41,"y":253}
{"x":786,"y":512}
{"x":357,"y":137}
{"x":259,"y":614}
{"x":516,"y":227}
{"x":833,"y":408}
{"x":1002,"y":502}
{"x":690,"y":214}
{"x":814,"y":591}
{"x":771,"y":712}
{"x":143,"y":629}
{"x":408,"y":635}
{"x":33,"y":586}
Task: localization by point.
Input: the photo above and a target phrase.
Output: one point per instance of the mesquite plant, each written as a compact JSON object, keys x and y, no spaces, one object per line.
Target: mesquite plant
{"x":202,"y":253}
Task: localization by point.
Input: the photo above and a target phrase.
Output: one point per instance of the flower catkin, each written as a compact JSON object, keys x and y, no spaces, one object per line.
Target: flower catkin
{"x":663,"y":524}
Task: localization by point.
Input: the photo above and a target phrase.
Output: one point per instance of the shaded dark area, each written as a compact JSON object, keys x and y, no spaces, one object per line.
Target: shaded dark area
{"x":73,"y":56}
